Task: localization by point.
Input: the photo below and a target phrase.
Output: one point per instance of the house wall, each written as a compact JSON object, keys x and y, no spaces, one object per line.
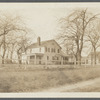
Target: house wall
{"x":51,"y":50}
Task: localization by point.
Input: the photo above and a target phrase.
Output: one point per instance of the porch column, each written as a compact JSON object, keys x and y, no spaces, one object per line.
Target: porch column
{"x":28,"y":59}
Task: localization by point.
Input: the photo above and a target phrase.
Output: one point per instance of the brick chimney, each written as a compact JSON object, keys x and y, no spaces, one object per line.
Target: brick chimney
{"x":39,"y":41}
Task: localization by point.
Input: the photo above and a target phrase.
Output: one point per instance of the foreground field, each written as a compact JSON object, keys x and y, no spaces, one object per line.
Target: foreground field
{"x":36,"y":80}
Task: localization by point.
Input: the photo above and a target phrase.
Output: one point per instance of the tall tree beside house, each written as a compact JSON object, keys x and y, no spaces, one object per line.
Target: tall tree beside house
{"x":22,"y":43}
{"x":93,"y":37}
{"x":16,"y":43}
{"x":74,"y":27}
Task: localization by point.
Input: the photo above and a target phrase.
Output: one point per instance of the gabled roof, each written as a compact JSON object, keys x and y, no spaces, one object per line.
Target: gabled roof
{"x":43,"y":43}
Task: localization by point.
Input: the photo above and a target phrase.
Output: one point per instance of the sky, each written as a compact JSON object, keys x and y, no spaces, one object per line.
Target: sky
{"x":43,"y":18}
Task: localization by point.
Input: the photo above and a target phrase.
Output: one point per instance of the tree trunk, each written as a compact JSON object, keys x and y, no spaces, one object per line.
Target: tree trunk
{"x":4,"y":49}
{"x":91,"y":59}
{"x":3,"y":57}
{"x":11,"y":56}
{"x":94,"y":56}
{"x":79,"y":59}
{"x":19,"y":58}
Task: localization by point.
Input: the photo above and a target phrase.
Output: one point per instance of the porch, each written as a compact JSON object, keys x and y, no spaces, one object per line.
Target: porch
{"x":35,"y":58}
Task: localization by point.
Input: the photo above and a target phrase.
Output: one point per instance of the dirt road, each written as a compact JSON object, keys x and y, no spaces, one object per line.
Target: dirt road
{"x":86,"y":86}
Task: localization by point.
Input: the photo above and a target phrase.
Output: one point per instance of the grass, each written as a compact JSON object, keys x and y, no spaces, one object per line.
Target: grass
{"x":33,"y":80}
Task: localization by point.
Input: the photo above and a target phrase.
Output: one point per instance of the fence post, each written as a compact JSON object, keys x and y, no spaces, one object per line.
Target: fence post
{"x":62,"y":61}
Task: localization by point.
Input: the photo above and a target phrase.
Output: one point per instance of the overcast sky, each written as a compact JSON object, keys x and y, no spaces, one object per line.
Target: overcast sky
{"x":43,"y":17}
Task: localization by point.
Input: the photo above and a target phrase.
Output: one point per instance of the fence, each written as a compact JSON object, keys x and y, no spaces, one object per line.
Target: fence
{"x":43,"y":62}
{"x":37,"y":62}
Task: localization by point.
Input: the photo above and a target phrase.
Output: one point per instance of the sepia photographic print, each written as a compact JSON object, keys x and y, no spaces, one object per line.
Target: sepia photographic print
{"x":48,"y":48}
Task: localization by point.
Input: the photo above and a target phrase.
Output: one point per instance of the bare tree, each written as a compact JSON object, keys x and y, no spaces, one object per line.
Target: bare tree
{"x":9,"y":24}
{"x":74,"y":27}
{"x":93,"y":37}
{"x":22,"y":44}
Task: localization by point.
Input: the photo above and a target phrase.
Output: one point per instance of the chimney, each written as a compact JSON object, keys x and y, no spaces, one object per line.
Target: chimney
{"x":39,"y":41}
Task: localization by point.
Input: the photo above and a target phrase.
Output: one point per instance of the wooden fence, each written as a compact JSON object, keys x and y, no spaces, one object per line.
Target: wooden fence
{"x":43,"y":62}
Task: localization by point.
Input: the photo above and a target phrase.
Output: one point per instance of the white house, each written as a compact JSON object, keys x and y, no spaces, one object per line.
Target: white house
{"x":45,"y":52}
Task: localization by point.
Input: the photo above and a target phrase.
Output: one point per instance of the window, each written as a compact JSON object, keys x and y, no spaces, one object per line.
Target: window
{"x":58,"y":50}
{"x":66,"y":58}
{"x":45,"y":49}
{"x":86,"y":61}
{"x":48,"y":49}
{"x":31,"y":57}
{"x":47,"y":57}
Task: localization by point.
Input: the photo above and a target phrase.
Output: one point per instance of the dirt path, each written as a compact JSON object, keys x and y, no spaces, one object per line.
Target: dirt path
{"x":76,"y":86}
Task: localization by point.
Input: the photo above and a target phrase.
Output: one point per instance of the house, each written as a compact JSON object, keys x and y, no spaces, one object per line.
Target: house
{"x":45,"y":52}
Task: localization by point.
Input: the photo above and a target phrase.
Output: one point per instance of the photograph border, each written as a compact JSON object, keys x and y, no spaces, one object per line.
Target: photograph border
{"x":51,"y":96}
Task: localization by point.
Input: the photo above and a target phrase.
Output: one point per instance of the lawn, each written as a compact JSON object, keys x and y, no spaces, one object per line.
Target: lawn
{"x":36,"y":80}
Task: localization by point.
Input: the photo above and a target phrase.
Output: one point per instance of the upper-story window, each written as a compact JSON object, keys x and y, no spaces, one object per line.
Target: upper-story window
{"x":48,"y":49}
{"x":58,"y":50}
{"x":47,"y":57}
{"x":45,"y":49}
